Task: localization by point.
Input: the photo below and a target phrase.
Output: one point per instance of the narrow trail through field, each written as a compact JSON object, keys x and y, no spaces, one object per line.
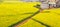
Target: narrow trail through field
{"x":19,"y":23}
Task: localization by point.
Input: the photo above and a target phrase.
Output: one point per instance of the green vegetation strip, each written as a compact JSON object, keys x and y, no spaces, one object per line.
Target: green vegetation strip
{"x":56,"y":13}
{"x":19,"y":22}
{"x":17,"y":14}
{"x":41,"y":22}
{"x":13,"y":25}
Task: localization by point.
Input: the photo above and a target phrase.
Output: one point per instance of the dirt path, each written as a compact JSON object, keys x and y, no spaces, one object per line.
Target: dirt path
{"x":22,"y":22}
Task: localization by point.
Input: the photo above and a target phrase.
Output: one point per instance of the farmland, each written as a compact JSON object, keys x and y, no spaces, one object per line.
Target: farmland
{"x":12,"y":12}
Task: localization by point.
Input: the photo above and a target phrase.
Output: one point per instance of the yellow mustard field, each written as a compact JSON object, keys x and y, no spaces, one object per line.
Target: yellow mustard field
{"x":12,"y":12}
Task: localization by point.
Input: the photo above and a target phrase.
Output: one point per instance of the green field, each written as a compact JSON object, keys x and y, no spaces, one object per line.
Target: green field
{"x":12,"y":12}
